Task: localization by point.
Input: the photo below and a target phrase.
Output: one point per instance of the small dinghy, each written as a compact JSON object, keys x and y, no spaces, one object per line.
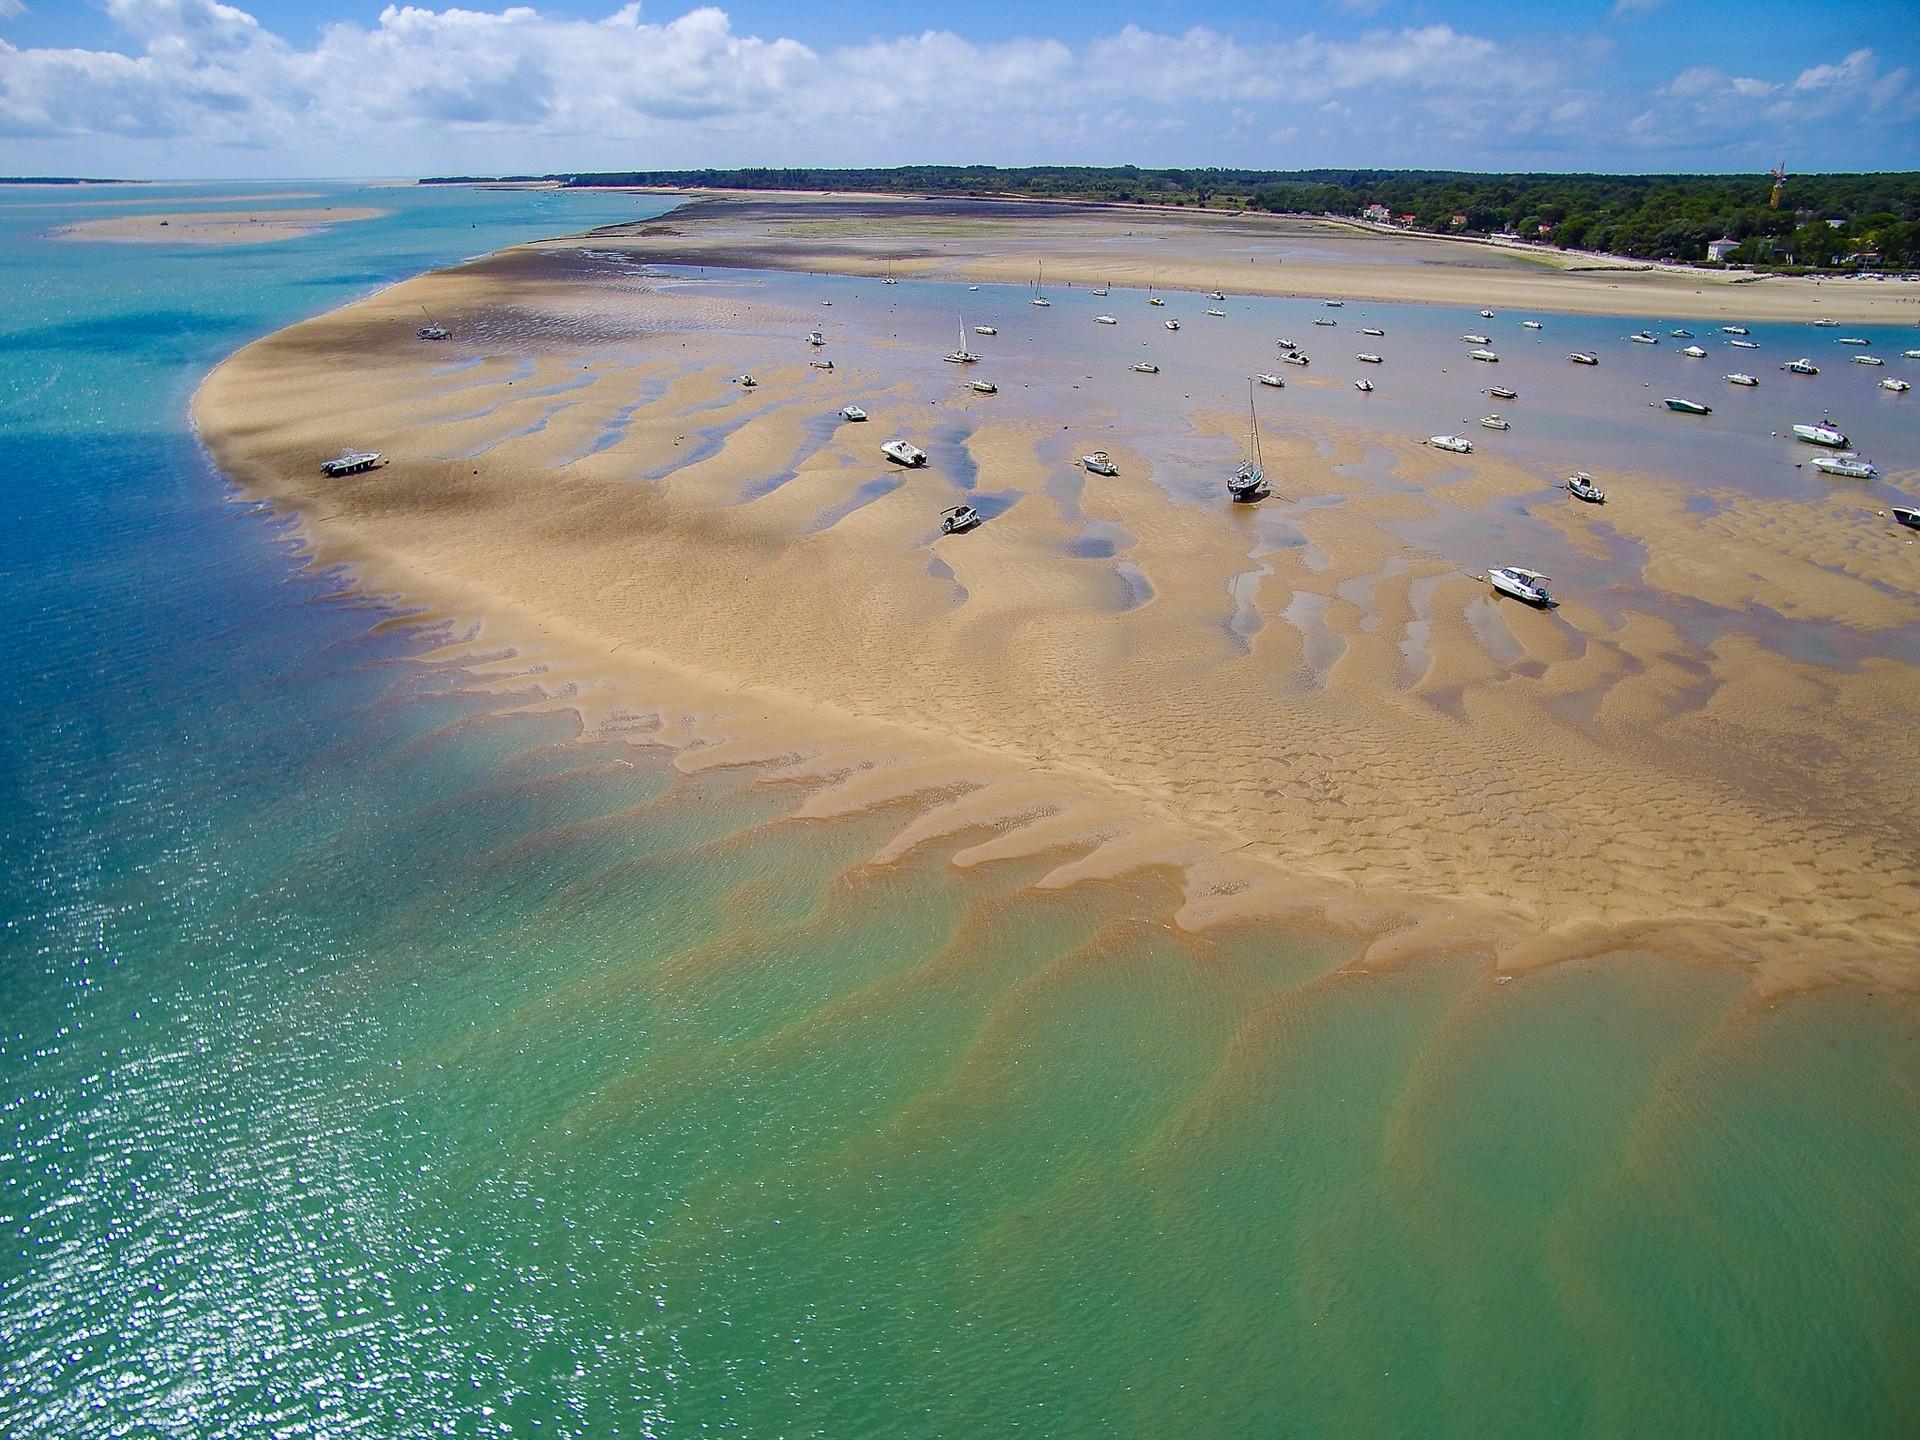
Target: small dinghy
{"x":1824,"y":433}
{"x":1584,"y":357}
{"x":852,"y":412}
{"x":959,"y":518}
{"x":1367,"y":357}
{"x":1171,"y":324}
{"x":985,"y":387}
{"x":1502,"y":392}
{"x":1147,"y":367}
{"x":1847,"y":467}
{"x":350,"y":462}
{"x":1899,"y":387}
{"x":1801,"y":367}
{"x":1458,"y":444}
{"x":1644,"y":337}
{"x":1267,"y":377}
{"x":1371,"y":330}
{"x":1365,"y":387}
{"x":1687,"y":407}
{"x":1100,"y":463}
{"x":1580,"y":484}
{"x":1533,"y":325}
{"x":1744,"y":344}
{"x":1494,"y":422}
{"x":903,"y":452}
{"x":1521,"y":584}
{"x":1694,"y":352}
{"x":1105,"y":320}
{"x":1740,"y":377}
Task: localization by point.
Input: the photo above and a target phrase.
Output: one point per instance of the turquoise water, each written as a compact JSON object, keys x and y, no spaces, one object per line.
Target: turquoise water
{"x":376,"y":1062}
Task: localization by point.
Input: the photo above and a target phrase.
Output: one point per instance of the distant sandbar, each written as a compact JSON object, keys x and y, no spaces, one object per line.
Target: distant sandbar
{"x":218,"y":227}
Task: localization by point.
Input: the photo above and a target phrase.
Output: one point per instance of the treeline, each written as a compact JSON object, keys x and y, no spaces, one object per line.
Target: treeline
{"x":1875,"y":219}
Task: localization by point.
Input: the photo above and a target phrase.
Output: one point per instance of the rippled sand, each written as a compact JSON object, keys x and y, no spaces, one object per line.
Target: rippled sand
{"x":1313,"y":711}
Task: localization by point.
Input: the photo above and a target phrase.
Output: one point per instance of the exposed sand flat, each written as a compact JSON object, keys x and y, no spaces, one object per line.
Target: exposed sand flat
{"x":1347,"y":727}
{"x":1130,"y":247}
{"x":215,"y":227}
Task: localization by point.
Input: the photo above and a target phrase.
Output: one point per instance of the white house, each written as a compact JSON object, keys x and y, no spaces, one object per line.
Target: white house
{"x":1378,"y":213}
{"x":1719,"y":249}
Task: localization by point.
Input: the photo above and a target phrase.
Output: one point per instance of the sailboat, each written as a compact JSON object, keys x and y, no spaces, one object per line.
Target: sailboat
{"x":1039,"y":284}
{"x":962,"y":356}
{"x":1153,"y":284}
{"x":1103,"y":288}
{"x":1249,"y":482}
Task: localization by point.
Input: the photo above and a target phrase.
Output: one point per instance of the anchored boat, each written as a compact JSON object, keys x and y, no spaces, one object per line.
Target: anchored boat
{"x":1267,"y":377}
{"x":1825,"y":433}
{"x":852,"y":412}
{"x":1486,"y":355}
{"x":1801,"y":367}
{"x":1847,"y":467}
{"x":1248,"y":483}
{"x":1688,"y":407}
{"x":1502,"y":392}
{"x":1100,"y":463}
{"x":1584,"y":357}
{"x":1458,"y":444}
{"x":1740,"y":377}
{"x":1495,"y":422}
{"x":1367,"y":357}
{"x":1580,"y":483}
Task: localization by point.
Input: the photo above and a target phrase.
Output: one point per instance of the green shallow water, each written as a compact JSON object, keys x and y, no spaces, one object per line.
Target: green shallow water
{"x":378,"y":1061}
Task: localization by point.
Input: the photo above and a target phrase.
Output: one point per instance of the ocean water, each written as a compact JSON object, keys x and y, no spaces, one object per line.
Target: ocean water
{"x":375,"y":1060}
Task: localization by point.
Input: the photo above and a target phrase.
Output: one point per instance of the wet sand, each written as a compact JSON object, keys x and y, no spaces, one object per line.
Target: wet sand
{"x":1298,"y":712}
{"x":219,"y":227}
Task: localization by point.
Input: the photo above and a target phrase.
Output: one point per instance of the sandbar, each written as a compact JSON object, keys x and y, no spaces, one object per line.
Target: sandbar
{"x":218,"y":227}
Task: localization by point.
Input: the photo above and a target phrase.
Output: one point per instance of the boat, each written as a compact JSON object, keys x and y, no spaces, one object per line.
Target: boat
{"x":1147,"y":367}
{"x":1216,"y":295}
{"x":1295,"y":357}
{"x":1852,"y":340}
{"x":1801,"y":367}
{"x":1825,"y":433}
{"x":985,"y":387}
{"x":903,"y":452}
{"x":1744,"y":344}
{"x":962,"y":356}
{"x":1521,"y":584}
{"x":819,"y":364}
{"x":814,"y":337}
{"x":1681,"y":334}
{"x":1494,"y":422}
{"x":1486,"y":355}
{"x":1153,"y":284}
{"x":1502,"y":392}
{"x":1911,"y":354}
{"x":1823,"y":323}
{"x":1486,"y":314}
{"x":747,"y":382}
{"x":1895,"y":384}
{"x":1477,"y":339}
{"x":1217,"y":314}
{"x":1155,"y":300}
{"x":1584,"y":357}
{"x":985,"y":330}
{"x":350,"y":462}
{"x":826,"y":302}
{"x":959,"y":518}
{"x":1365,"y":386}
{"x":1371,"y":330}
{"x":1740,"y":377}
{"x":1868,"y":360}
{"x":435,"y":332}
{"x":1688,"y":407}
{"x":852,"y":412}
{"x":1248,"y":482}
{"x":1458,"y":444}
{"x":973,"y":287}
{"x":1172,"y":324}
{"x":1847,"y":468}
{"x":1286,"y":344}
{"x":1333,"y":304}
{"x":1103,"y":288}
{"x":1643,"y":337}
{"x":1100,"y":463}
{"x":1580,"y":483}
{"x":1533,"y":325}
{"x":1039,"y":284}
{"x":1325,"y":320}
{"x":1105,"y":320}
{"x":1902,"y":515}
{"x":1694,"y":352}
{"x":1733,"y":329}
{"x":1041,"y":301}
{"x":1269,"y":378}
{"x":1367,"y":357}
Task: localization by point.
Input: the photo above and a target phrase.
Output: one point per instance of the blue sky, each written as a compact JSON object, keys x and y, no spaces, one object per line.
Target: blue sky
{"x":272,"y":88}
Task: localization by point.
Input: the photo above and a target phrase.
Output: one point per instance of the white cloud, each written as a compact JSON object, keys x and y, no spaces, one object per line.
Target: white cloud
{"x":1622,"y":8}
{"x":12,"y":9}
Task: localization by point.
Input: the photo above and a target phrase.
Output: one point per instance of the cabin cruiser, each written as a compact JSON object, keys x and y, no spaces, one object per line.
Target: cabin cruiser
{"x":903,"y":452}
{"x":1502,"y":392}
{"x":1217,"y":314}
{"x":1533,"y":325}
{"x":1371,"y":330}
{"x":959,"y":518}
{"x":1847,"y":467}
{"x":1494,"y":422}
{"x":1364,"y":386}
{"x":1694,"y":352}
{"x":1801,"y":367}
{"x":1458,"y":444}
{"x":985,"y":387}
{"x":1744,"y":344}
{"x":1105,"y":320}
{"x":1477,"y":339}
{"x":1100,"y":463}
{"x":1580,"y":483}
{"x":1868,"y":360}
{"x":1898,"y":386}
{"x":1681,"y":334}
{"x":1733,"y":329}
{"x":1367,"y":357}
{"x":1824,"y":433}
{"x":1740,"y":377}
{"x":985,"y":330}
{"x":1688,"y":407}
{"x":1904,"y":516}
{"x":1852,"y":340}
{"x":1521,"y":584}
{"x":350,"y":462}
{"x":1486,"y":355}
{"x":1295,"y":357}
{"x":1644,"y":337}
{"x":1269,"y":378}
{"x":1147,"y":367}
{"x":1171,"y":324}
{"x":852,"y":412}
{"x":1584,"y":357}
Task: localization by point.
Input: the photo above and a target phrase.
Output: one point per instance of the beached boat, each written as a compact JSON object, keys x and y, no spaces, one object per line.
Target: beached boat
{"x":1473,"y":339}
{"x":1868,"y":360}
{"x":350,"y":462}
{"x":1848,"y":468}
{"x":1147,"y":367}
{"x":1694,"y":352}
{"x":1521,"y":584}
{"x":1533,"y":325}
{"x":1495,"y":422}
{"x":1171,"y":324}
{"x":1248,"y":482}
{"x":1501,"y":392}
{"x":1364,"y":386}
{"x":1910,"y":518}
{"x":1744,"y":344}
{"x":1642,"y":337}
{"x":1740,"y":377}
{"x":1367,"y":357}
{"x":814,"y":337}
{"x":985,"y":387}
{"x":1487,"y":355}
{"x":1580,"y":483}
{"x":852,"y":412}
{"x":1681,"y":334}
{"x":1687,"y":407}
{"x":1217,"y":314}
{"x":1584,"y":357}
{"x":1895,"y":384}
{"x":957,"y":519}
{"x":985,"y":330}
{"x":903,"y":452}
{"x":1267,"y":377}
{"x":819,"y":364}
{"x":1825,"y":433}
{"x":1801,"y":367}
{"x":1105,"y":320}
{"x":435,"y":332}
{"x":746,"y":382}
{"x":1733,"y":329}
{"x":962,"y":356}
{"x":1100,"y":463}
{"x":1852,"y":340}
{"x":1371,"y":330}
{"x":1295,"y":357}
{"x":1458,"y":444}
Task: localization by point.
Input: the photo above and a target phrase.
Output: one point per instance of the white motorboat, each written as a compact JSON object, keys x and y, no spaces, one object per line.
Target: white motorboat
{"x":1367,"y":357}
{"x":746,"y":382}
{"x":1643,"y":337}
{"x":1868,"y":360}
{"x":1477,"y":339}
{"x":985,"y":387}
{"x":1267,"y":377}
{"x":1533,"y":325}
{"x":1687,"y":407}
{"x":1364,"y":386}
{"x":435,"y":332}
{"x":1325,"y":320}
{"x":1852,"y":340}
{"x":1371,"y":330}
{"x":957,"y":519}
{"x":814,"y":337}
{"x":1681,"y":334}
{"x":1333,"y":304}
{"x":1502,"y":392}
{"x":1694,"y":352}
{"x":1740,"y":377}
{"x":1910,"y":518}
{"x":1580,"y":483}
{"x":1104,"y":287}
{"x":1458,"y":444}
{"x":1744,"y":344}
{"x":1217,"y":314}
{"x":1895,"y":384}
{"x":1801,"y":367}
{"x":1172,"y":324}
{"x":1494,"y":422}
{"x":903,"y":452}
{"x":350,"y":462}
{"x":852,"y":412}
{"x":1295,"y":357}
{"x":1486,"y":355}
{"x":1733,"y":329}
{"x":1216,"y":295}
{"x":1521,"y":584}
{"x":1824,"y":433}
{"x":1100,"y":463}
{"x":1911,"y":354}
{"x":1105,"y":320}
{"x":1249,"y":481}
{"x":1584,"y":357}
{"x":962,"y":356}
{"x":1147,"y":367}
{"x":1041,"y":301}
{"x":1824,"y":323}
{"x":985,"y":330}
{"x":819,"y":364}
{"x":1847,"y":468}
{"x":1486,"y":314}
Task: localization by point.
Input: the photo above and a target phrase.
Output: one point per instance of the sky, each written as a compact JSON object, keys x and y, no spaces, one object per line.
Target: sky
{"x":185,"y":89}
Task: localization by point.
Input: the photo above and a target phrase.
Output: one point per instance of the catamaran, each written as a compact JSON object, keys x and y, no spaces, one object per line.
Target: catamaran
{"x":1249,"y":482}
{"x":962,"y":356}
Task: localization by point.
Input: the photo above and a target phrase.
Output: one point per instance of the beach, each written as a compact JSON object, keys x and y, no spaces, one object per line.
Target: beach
{"x":1308,"y":710}
{"x":216,"y":227}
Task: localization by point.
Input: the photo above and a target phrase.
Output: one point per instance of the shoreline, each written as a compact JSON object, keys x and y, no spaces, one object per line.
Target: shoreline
{"x":653,"y":597}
